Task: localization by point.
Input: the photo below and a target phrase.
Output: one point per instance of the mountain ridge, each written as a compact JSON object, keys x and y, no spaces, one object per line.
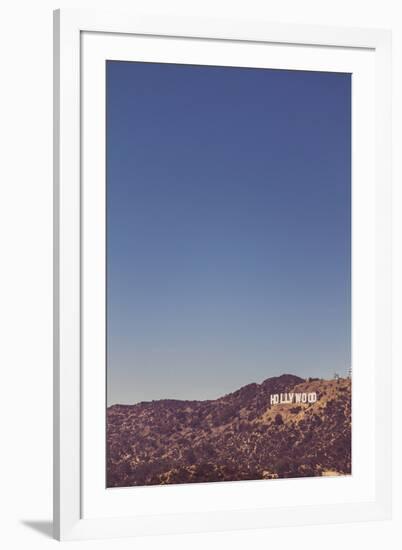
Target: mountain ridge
{"x":253,"y":384}
{"x":240,"y":435}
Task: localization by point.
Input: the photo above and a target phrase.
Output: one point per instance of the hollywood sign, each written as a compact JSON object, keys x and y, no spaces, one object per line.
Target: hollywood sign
{"x":289,"y":398}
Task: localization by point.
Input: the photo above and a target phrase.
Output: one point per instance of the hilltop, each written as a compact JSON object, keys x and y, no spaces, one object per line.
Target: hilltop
{"x":236,"y":437}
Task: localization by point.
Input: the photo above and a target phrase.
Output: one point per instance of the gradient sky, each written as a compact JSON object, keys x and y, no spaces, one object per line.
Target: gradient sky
{"x":228,"y":228}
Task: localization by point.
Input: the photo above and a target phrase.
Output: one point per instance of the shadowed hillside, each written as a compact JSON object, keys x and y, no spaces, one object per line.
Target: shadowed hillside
{"x":236,"y":437}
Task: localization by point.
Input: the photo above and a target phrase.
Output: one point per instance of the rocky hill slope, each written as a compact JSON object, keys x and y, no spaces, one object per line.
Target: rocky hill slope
{"x":242,"y":435}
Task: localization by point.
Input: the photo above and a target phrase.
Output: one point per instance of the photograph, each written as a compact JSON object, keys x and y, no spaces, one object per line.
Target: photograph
{"x":228,"y":274}
{"x":202,"y":275}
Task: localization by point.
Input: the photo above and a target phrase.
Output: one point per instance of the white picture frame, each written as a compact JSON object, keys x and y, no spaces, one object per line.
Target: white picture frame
{"x":83,"y":507}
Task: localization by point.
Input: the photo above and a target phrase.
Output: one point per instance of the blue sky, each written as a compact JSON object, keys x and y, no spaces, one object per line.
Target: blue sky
{"x":228,"y":228}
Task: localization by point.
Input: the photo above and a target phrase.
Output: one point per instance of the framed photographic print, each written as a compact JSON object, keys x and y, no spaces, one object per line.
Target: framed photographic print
{"x":222,"y":274}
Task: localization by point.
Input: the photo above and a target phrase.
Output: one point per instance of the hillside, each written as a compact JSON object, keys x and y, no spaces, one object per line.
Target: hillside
{"x":236,"y":437}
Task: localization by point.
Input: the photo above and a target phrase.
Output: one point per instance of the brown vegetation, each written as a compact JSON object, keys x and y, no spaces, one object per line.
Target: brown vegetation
{"x":236,"y":437}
